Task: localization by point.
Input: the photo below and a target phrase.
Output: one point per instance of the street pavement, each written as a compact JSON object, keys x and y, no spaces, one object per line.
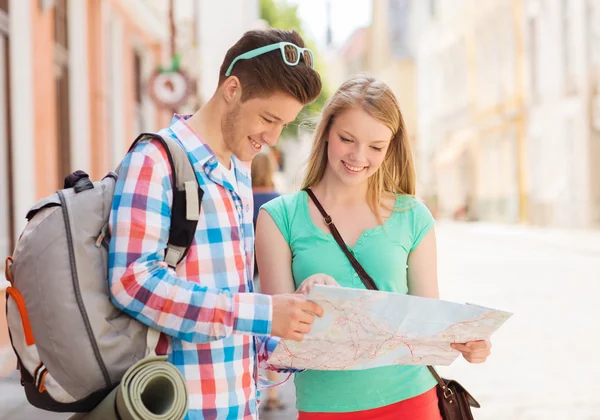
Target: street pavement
{"x":544,"y":363}
{"x":14,"y":406}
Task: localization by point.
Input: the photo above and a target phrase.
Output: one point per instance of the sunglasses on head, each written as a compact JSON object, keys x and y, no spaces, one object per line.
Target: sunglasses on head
{"x":291,"y":54}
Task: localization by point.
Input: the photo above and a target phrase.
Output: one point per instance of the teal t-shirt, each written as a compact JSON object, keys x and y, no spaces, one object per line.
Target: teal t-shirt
{"x":383,"y":252}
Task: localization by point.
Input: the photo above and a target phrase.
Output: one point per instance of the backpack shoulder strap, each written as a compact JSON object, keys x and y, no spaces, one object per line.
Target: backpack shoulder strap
{"x":187,"y":198}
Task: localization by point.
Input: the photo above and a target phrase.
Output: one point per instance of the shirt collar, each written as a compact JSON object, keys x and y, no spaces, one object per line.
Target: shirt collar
{"x":204,"y":157}
{"x":193,"y":143}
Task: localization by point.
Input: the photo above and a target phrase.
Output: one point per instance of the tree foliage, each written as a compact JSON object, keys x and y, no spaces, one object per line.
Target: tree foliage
{"x":280,"y":14}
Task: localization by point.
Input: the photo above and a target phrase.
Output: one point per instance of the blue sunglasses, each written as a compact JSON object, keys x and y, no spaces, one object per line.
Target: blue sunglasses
{"x":291,"y":54}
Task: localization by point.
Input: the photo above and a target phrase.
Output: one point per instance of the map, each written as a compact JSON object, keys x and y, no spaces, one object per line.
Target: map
{"x":363,"y":329}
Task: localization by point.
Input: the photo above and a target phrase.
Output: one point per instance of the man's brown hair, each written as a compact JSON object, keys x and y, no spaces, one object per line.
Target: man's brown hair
{"x":267,"y":74}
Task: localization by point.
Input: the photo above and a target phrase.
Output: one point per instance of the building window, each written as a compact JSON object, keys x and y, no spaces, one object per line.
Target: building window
{"x":60,"y":23}
{"x":593,"y":32}
{"x":7,"y":231}
{"x":398,"y":14}
{"x":139,"y":124}
{"x":61,"y":66}
{"x":432,"y":8}
{"x":137,"y":65}
{"x":533,"y":59}
{"x":567,"y":58}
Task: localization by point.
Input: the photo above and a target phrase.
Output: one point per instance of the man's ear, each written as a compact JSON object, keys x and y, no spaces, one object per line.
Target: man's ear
{"x":232,"y":89}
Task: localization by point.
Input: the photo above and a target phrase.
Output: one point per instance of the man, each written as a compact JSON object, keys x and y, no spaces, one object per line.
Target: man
{"x":213,"y":326}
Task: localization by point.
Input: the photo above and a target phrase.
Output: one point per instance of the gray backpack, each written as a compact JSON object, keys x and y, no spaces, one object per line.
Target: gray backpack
{"x":72,"y":345}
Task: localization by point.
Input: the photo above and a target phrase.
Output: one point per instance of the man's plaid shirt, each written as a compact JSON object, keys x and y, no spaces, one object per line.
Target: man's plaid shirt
{"x":206,"y":308}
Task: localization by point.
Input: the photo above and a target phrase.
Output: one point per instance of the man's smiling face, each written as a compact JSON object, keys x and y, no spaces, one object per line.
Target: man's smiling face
{"x":251,"y":124}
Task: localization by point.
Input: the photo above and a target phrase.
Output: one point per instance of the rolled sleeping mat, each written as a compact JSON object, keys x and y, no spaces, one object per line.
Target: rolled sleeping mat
{"x":152,"y":389}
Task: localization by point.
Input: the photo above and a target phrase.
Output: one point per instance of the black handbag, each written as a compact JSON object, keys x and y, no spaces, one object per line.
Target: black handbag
{"x":454,"y":400}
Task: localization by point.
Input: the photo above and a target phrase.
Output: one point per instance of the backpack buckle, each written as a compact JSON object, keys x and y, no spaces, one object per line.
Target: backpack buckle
{"x":101,"y":237}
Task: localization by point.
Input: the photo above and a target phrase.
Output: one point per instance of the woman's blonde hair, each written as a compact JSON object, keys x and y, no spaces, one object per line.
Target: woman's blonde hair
{"x":397,"y":173}
{"x":263,"y":167}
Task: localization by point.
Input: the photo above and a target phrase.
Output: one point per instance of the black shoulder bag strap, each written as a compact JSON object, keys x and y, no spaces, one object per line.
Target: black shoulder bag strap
{"x":364,"y":276}
{"x":187,"y":198}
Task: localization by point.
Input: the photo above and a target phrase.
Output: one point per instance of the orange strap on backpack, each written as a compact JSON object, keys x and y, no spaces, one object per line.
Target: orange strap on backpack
{"x":14,"y":293}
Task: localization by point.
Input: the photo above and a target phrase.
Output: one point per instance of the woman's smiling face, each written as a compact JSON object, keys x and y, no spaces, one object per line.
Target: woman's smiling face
{"x":357,"y":145}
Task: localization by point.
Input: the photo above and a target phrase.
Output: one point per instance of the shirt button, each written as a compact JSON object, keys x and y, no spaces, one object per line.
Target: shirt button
{"x":355,"y":274}
{"x":359,"y":242}
{"x":367,"y":234}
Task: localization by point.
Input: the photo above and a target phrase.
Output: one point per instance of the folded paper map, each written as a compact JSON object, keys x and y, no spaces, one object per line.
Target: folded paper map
{"x":363,"y":329}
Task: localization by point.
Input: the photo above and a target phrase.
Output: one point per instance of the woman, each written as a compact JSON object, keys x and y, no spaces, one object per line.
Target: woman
{"x":264,"y":166}
{"x":361,"y":170}
{"x":263,"y":171}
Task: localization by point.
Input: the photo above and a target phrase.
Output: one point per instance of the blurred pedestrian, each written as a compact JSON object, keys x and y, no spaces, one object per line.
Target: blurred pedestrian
{"x":263,"y":170}
{"x":361,"y":171}
{"x":264,"y":166}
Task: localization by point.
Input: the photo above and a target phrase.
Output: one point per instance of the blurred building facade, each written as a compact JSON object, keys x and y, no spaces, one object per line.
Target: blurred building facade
{"x":593,"y":95}
{"x":75,"y":75}
{"x":74,"y":88}
{"x":73,"y":94}
{"x":507,"y":93}
{"x":389,"y":56}
{"x":72,"y":98}
{"x":469,"y":108}
{"x":562,"y":79}
{"x":382,"y":49}
{"x":222,"y":23}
